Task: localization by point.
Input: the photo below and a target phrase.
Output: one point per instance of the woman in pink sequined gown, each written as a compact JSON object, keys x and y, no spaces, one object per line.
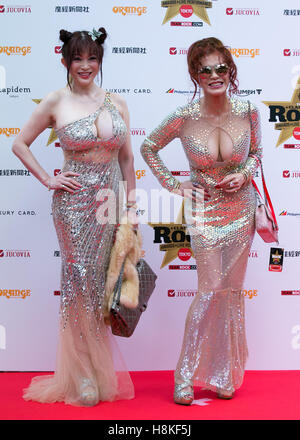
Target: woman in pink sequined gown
{"x":221,"y":139}
{"x":93,"y":129}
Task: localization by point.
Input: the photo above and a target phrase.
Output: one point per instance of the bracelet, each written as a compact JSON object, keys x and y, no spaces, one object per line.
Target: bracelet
{"x":129,"y":204}
{"x":246,"y":174}
{"x":176,"y":184}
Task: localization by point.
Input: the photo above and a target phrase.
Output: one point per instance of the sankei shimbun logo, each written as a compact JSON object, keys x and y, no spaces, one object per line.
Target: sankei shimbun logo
{"x":15,"y":50}
{"x":15,"y":9}
{"x":242,"y":11}
{"x":286,"y":115}
{"x":244,"y":52}
{"x":130,"y":10}
{"x":291,"y":52}
{"x":15,"y":293}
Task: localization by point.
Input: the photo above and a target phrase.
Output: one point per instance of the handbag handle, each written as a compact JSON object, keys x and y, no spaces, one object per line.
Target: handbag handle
{"x":266,"y":194}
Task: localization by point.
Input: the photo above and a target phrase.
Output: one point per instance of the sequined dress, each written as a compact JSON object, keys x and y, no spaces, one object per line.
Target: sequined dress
{"x":214,"y":349}
{"x":88,"y":359}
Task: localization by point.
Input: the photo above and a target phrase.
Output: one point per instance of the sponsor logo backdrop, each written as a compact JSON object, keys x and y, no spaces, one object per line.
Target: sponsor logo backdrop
{"x":145,"y":61}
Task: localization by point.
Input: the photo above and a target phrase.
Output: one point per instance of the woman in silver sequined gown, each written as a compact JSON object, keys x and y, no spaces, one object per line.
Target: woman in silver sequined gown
{"x":221,"y":139}
{"x":97,"y":158}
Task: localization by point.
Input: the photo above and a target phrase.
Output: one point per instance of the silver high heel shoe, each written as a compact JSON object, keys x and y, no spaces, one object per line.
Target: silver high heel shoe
{"x":88,"y":393}
{"x":222,"y":395}
{"x":183,"y":393}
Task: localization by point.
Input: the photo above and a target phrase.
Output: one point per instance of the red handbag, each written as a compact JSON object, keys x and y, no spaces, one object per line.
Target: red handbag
{"x":265,"y":220}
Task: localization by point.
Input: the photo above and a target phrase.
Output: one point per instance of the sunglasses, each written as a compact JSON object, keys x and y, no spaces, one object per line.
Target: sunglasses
{"x":220,"y":69}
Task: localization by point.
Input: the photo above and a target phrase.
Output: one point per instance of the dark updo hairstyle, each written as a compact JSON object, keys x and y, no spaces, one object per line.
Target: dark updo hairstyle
{"x":76,"y":43}
{"x":204,"y":47}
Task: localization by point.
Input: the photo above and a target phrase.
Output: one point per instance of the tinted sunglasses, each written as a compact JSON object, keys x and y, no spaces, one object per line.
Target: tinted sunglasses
{"x":220,"y":69}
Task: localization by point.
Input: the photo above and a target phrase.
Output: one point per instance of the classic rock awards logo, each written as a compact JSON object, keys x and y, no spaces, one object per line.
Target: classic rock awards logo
{"x":174,"y":240}
{"x":186,"y":9}
{"x":286,"y":115}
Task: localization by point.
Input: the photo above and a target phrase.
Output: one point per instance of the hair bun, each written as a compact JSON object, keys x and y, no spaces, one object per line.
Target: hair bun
{"x":103,"y":35}
{"x":64,"y":35}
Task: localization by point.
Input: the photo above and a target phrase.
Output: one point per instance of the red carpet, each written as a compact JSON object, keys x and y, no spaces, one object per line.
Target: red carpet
{"x":265,"y":395}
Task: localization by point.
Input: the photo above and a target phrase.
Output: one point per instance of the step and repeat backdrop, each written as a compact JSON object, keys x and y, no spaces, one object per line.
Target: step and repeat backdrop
{"x":145,"y":62}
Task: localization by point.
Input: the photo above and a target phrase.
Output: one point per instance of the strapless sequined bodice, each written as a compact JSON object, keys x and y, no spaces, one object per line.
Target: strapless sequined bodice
{"x":80,"y":141}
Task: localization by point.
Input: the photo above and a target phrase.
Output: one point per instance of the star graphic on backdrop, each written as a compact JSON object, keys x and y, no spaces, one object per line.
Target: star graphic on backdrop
{"x":288,"y":127}
{"x":199,"y":8}
{"x":172,"y":253}
{"x":52,"y":136}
